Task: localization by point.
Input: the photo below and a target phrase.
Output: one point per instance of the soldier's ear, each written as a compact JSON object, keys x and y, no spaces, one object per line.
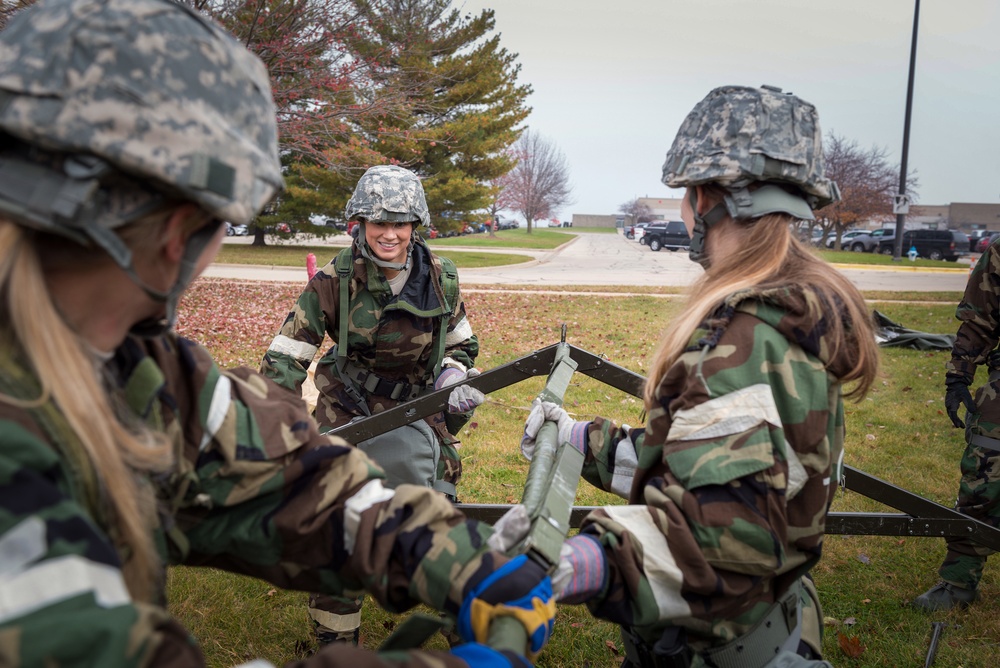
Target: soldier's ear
{"x":177,"y":230}
{"x":701,"y":201}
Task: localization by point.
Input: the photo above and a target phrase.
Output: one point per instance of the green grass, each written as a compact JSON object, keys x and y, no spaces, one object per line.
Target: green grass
{"x":539,"y":239}
{"x":899,"y":433}
{"x":295,"y":256}
{"x":849,"y":257}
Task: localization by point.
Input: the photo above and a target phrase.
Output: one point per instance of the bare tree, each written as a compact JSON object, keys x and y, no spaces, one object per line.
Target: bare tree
{"x":637,"y":209}
{"x":867,"y":184}
{"x":539,"y":183}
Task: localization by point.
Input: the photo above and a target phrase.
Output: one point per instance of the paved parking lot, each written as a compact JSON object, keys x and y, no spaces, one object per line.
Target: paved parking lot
{"x":604,"y":259}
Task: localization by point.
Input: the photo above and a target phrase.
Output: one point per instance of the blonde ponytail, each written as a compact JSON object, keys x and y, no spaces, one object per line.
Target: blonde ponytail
{"x":68,"y":375}
{"x":768,"y":255}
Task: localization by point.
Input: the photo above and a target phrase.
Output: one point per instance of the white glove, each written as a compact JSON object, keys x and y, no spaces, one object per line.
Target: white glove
{"x":581,"y":570}
{"x":510,"y":529}
{"x":462,"y":399}
{"x":569,"y":429}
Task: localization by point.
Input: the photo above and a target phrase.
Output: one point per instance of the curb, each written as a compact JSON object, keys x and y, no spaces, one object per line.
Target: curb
{"x":892,"y":267}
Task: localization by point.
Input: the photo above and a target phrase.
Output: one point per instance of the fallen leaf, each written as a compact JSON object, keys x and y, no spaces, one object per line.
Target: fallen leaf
{"x":272,"y":592}
{"x":850,"y":621}
{"x":474,"y":425}
{"x":850,"y":645}
{"x":831,"y":621}
{"x":866,"y":600}
{"x":869,"y":437}
{"x":907,"y":389}
{"x":610,"y":644}
{"x":863,"y":558}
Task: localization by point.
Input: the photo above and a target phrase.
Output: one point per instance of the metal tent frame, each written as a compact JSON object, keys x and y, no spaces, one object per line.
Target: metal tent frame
{"x":918,"y":517}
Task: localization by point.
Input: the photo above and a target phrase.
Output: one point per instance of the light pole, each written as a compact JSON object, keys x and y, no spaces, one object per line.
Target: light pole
{"x":901,"y":205}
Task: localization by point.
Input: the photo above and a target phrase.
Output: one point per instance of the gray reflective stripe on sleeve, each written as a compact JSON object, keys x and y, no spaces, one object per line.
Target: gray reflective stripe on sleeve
{"x":797,"y":476}
{"x":366,"y":497}
{"x":23,"y":545}
{"x":662,"y":573}
{"x":625,"y":465}
{"x":727,"y":415}
{"x":222,"y":398}
{"x":462,"y":331}
{"x":300,"y":350}
{"x":55,"y":580}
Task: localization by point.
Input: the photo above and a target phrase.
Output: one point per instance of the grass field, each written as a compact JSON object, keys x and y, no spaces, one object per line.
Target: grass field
{"x":899,"y":433}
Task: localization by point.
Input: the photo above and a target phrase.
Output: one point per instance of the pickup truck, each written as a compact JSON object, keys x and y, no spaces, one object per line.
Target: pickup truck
{"x":869,"y":243}
{"x":671,"y":234}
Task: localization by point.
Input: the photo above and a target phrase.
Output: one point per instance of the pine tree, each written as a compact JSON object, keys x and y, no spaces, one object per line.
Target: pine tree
{"x":460,"y":102}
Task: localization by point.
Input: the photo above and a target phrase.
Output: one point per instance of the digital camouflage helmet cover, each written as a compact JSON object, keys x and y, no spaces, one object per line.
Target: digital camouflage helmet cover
{"x":388,"y":193}
{"x":152,"y":89}
{"x":113,"y":109}
{"x":738,"y":136}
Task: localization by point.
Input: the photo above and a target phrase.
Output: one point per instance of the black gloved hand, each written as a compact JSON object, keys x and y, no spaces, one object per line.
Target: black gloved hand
{"x":956,"y":394}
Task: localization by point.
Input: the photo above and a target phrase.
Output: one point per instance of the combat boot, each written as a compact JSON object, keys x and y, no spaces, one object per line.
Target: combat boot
{"x":945,"y":596}
{"x":325,"y":636}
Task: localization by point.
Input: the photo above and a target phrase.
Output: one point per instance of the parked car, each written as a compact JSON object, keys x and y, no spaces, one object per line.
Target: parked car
{"x":980,"y":237}
{"x":931,"y":244}
{"x":984,"y":242}
{"x":236,"y":230}
{"x":508,"y":224}
{"x":869,"y":242}
{"x":845,"y":238}
{"x":631,"y":230}
{"x":671,"y":234}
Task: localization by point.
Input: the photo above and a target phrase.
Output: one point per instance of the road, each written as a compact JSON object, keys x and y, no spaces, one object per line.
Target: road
{"x":605,"y":260}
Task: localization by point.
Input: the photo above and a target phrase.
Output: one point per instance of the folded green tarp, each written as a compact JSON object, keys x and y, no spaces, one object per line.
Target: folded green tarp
{"x":892,"y":334}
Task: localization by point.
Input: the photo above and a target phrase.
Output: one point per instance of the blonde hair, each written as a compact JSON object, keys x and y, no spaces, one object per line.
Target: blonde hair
{"x":67,"y":372}
{"x":769,"y":255}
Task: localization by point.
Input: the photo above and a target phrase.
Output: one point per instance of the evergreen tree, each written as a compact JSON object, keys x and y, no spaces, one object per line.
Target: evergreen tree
{"x":459,"y":103}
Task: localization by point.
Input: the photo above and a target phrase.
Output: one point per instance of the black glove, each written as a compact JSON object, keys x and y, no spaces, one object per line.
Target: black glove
{"x":956,"y":394}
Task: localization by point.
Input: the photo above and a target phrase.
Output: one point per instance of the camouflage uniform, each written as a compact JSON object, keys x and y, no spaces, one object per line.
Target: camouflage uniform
{"x":979,"y":488}
{"x":256,"y":490}
{"x":736,"y":469}
{"x":392,"y":336}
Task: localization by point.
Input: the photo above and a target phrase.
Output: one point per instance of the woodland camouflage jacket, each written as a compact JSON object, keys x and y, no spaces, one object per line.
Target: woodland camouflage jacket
{"x":391,"y":336}
{"x":979,"y":313}
{"x":255,"y":489}
{"x":736,"y":470}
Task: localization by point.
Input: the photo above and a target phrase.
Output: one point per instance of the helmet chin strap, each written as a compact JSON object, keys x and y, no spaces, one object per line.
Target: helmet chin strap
{"x":196,"y":244}
{"x":701,"y":226}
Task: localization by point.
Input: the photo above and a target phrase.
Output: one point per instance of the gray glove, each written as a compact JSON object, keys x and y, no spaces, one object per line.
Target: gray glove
{"x":462,"y":399}
{"x":569,"y":429}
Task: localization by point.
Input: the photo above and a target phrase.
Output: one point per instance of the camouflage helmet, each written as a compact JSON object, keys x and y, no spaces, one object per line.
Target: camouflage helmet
{"x":739,"y":135}
{"x":151,"y":89}
{"x":388,"y":193}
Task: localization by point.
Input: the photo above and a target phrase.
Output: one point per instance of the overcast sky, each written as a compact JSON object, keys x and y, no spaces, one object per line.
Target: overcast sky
{"x":613,"y":79}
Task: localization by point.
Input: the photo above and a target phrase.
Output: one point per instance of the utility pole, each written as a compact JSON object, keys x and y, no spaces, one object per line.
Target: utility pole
{"x":901,"y":205}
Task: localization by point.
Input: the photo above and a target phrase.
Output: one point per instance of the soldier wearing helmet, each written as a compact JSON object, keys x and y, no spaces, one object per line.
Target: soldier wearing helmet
{"x":395,"y":315}
{"x":732,"y":475}
{"x":129,"y":130}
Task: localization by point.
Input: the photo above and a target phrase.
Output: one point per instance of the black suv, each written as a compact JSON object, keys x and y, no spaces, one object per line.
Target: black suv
{"x":670,"y":234}
{"x":932,"y":244}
